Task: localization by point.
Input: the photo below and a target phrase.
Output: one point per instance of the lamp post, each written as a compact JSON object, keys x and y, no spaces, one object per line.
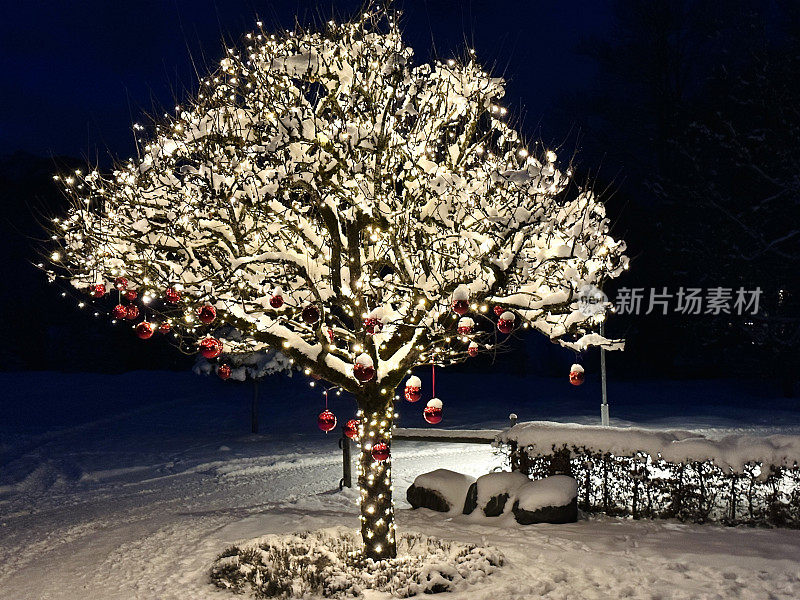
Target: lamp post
{"x":604,"y":405}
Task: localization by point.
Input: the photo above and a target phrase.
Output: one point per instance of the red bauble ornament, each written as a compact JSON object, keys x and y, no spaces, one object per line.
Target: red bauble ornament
{"x":130,"y":295}
{"x":472,"y":350}
{"x":380,"y":451}
{"x":131,"y":312}
{"x":145,"y":330}
{"x":465,"y":325}
{"x":499,"y":310}
{"x":372,"y":325}
{"x":210,"y":347}
{"x":98,"y":290}
{"x":433,"y":412}
{"x":363,"y":369}
{"x":576,"y":374}
{"x":276,"y":301}
{"x":460,"y":307}
{"x":326,"y":420}
{"x":165,"y":328}
{"x":206,"y":314}
{"x":505,"y":324}
{"x":121,"y":284}
{"x":172,"y":295}
{"x":331,"y":337}
{"x":310,"y":314}
{"x":413,"y":391}
{"x":119,"y":312}
{"x":224,"y":372}
{"x":351,"y":428}
{"x":461,"y":300}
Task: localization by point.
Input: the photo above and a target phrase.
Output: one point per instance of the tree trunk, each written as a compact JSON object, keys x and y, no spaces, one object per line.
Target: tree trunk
{"x":375,"y":482}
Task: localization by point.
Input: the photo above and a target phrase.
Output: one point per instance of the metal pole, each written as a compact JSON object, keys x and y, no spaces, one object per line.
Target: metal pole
{"x":254,"y":408}
{"x":604,"y":405}
{"x":347,"y":466}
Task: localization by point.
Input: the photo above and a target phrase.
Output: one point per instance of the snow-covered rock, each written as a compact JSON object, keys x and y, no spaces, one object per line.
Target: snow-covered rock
{"x":491,"y":492}
{"x":441,"y":490}
{"x":549,"y":500}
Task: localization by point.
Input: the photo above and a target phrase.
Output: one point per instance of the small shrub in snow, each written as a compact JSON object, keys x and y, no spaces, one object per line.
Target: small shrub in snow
{"x":549,"y":500}
{"x":441,"y":490}
{"x":329,"y":563}
{"x":491,"y":492}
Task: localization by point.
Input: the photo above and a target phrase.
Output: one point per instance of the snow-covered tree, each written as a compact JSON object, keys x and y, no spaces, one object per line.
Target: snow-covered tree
{"x":323,"y":195}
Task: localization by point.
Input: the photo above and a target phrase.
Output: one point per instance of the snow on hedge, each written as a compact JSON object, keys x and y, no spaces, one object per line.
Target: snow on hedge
{"x":557,"y":490}
{"x":731,"y":452}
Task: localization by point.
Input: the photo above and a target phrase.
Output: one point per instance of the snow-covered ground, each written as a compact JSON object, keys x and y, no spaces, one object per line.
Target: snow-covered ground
{"x":128,"y":486}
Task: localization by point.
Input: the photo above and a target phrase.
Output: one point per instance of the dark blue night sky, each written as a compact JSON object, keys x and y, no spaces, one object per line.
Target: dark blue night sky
{"x":77,"y":74}
{"x":643,"y":93}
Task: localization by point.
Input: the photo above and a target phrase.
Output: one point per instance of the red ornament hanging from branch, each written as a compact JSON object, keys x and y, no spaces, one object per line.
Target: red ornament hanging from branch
{"x":372,"y":325}
{"x":433,"y":411}
{"x":98,"y":290}
{"x":498,"y":310}
{"x":364,"y":369}
{"x":119,"y":312}
{"x":210,"y":347}
{"x":121,"y":284}
{"x":576,"y":374}
{"x":326,"y":420}
{"x":131,"y":312}
{"x":465,"y":325}
{"x":351,"y":428}
{"x":276,"y":301}
{"x":130,"y":295}
{"x":164,"y":328}
{"x":380,"y":451}
{"x":206,"y":314}
{"x":172,"y":295}
{"x":145,"y":330}
{"x":310,"y":314}
{"x":505,"y":324}
{"x":460,"y":302}
{"x":224,"y":371}
{"x":413,"y":389}
{"x":472,"y":349}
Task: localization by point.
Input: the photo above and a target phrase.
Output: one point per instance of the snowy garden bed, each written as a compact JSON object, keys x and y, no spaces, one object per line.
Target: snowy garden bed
{"x":736,"y":479}
{"x":328,"y":563}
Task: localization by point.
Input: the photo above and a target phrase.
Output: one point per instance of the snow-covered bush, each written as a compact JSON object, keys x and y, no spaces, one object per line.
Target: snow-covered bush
{"x":642,"y":473}
{"x":491,"y":492}
{"x":328,"y":563}
{"x":548,"y":500}
{"x":441,"y":490}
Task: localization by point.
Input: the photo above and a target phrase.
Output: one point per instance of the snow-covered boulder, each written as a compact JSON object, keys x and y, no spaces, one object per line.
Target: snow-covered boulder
{"x":491,"y":492}
{"x":441,"y":490}
{"x":549,"y":500}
